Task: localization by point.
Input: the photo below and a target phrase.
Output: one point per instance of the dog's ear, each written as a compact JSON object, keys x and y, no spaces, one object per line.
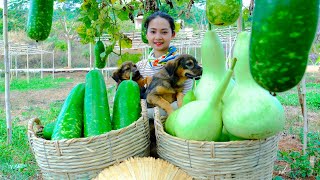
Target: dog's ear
{"x":115,"y":76}
{"x":172,"y":65}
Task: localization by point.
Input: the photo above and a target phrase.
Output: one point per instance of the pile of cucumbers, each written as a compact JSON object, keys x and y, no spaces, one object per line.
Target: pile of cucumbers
{"x":86,"y":113}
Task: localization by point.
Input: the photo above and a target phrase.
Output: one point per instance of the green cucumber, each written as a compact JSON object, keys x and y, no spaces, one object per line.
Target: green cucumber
{"x":39,"y":19}
{"x":282,"y":35}
{"x":70,"y":119}
{"x":48,"y":130}
{"x":98,"y":50}
{"x":126,"y":107}
{"x":96,"y":107}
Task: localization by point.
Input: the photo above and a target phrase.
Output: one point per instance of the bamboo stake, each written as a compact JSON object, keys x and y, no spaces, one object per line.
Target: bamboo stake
{"x":304,"y":114}
{"x":7,"y":72}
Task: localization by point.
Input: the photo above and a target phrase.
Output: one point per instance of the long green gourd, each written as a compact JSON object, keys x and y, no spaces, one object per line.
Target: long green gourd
{"x":39,"y":19}
{"x":201,"y":119}
{"x":126,"y":106}
{"x":282,"y":35}
{"x":70,"y":119}
{"x":96,"y":106}
{"x":250,"y":111}
{"x":214,"y":66}
{"x":99,"y":50}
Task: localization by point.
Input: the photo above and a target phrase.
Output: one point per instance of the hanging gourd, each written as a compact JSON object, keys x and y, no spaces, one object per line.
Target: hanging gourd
{"x":39,"y":19}
{"x":99,"y":54}
{"x":250,"y":111}
{"x":214,"y":66}
{"x":223,"y":12}
{"x":282,"y":35}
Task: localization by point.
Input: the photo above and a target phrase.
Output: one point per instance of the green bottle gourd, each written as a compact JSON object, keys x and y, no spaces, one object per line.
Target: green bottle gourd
{"x":223,"y":12}
{"x":250,"y":111}
{"x":214,"y":66}
{"x":282,"y":35}
{"x":127,"y":104}
{"x":201,"y":119}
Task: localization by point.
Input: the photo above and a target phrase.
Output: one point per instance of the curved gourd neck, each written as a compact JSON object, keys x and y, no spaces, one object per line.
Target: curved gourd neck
{"x":222,"y":86}
{"x":241,"y":52}
{"x":213,"y":56}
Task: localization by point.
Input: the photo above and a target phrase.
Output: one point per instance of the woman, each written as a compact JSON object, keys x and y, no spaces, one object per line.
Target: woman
{"x":160,"y":31}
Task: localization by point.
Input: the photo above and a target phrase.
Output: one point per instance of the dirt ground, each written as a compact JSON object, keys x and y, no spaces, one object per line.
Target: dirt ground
{"x":22,"y":101}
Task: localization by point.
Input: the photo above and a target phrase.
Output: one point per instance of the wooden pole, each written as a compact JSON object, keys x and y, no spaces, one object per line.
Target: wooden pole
{"x":91,"y":56}
{"x":53,"y":64}
{"x":304,"y":114}
{"x":41,"y":61}
{"x":7,"y":72}
{"x":28,"y":64}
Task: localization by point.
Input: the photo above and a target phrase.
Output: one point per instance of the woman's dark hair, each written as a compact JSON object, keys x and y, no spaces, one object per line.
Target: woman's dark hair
{"x":162,"y":15}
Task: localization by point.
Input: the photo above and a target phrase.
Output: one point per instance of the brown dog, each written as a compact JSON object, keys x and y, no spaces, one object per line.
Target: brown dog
{"x":123,"y":73}
{"x":167,"y":85}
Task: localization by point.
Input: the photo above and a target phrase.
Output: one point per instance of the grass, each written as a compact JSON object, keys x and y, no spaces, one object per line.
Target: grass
{"x":16,"y":159}
{"x":290,"y":97}
{"x":34,"y":83}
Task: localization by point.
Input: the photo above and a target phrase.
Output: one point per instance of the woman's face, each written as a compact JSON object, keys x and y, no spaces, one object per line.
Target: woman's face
{"x":159,"y":35}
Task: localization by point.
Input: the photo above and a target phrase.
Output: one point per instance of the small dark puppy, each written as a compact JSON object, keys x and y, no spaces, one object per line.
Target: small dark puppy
{"x":123,"y":73}
{"x":167,"y":85}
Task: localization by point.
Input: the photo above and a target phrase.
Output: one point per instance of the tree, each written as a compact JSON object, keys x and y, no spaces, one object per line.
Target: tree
{"x":65,"y":16}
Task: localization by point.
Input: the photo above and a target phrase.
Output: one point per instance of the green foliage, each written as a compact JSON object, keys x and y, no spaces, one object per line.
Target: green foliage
{"x":101,"y":17}
{"x":34,"y":83}
{"x":129,"y":57}
{"x":60,"y":45}
{"x":300,"y":163}
{"x":290,"y":98}
{"x":16,"y":159}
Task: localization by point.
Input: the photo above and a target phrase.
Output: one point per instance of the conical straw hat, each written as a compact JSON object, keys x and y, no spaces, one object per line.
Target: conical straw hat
{"x":146,"y":168}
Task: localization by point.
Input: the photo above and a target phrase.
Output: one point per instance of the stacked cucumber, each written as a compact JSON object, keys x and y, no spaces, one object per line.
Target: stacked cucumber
{"x":86,"y":113}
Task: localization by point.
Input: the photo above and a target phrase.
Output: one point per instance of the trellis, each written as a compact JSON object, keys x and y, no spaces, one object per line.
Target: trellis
{"x":186,"y":40}
{"x":16,"y":50}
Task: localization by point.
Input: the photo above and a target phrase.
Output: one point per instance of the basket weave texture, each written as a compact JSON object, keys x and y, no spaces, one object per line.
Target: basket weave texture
{"x":249,"y":159}
{"x":84,"y":158}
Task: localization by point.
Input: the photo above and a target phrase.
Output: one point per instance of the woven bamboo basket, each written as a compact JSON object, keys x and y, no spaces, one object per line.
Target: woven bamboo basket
{"x":84,"y":158}
{"x":249,"y":159}
{"x":143,"y":168}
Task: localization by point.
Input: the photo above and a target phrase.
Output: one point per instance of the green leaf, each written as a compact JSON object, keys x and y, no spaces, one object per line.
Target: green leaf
{"x":129,"y":57}
{"x":125,"y":42}
{"x":123,"y":15}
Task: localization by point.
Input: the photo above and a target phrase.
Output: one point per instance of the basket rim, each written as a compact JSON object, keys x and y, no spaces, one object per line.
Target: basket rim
{"x":160,"y":129}
{"x":37,"y":121}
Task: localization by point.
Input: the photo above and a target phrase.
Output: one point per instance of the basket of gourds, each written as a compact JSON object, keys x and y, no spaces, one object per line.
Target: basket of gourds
{"x":229,"y":130}
{"x":83,"y":145}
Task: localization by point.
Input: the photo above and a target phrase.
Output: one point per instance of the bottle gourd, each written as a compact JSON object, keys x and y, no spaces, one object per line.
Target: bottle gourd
{"x":250,"y":112}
